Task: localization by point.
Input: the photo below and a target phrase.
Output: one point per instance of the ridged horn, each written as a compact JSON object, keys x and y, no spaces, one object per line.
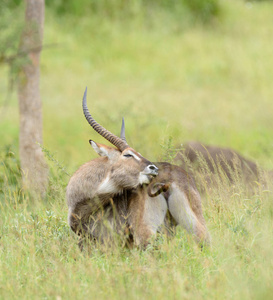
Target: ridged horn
{"x":122,"y":131}
{"x":113,"y":139}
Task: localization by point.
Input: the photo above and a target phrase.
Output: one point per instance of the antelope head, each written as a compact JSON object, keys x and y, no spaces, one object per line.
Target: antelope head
{"x":126,"y":168}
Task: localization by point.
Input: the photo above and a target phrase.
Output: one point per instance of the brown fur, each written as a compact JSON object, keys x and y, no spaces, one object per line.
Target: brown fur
{"x":179,"y":181}
{"x":108,"y":195}
{"x":132,"y":212}
{"x":96,"y":183}
{"x":220,"y":161}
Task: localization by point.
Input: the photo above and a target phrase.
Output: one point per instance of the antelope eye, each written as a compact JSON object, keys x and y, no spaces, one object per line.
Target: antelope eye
{"x":128,"y":155}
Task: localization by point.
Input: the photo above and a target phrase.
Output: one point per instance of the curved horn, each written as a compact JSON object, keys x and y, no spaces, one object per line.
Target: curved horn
{"x":122,"y":131}
{"x":113,"y":139}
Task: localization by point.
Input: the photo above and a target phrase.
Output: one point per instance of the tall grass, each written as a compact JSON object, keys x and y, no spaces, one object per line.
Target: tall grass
{"x":39,"y":256}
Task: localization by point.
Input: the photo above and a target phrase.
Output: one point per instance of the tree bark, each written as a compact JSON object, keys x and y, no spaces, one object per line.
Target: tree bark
{"x":33,"y":165}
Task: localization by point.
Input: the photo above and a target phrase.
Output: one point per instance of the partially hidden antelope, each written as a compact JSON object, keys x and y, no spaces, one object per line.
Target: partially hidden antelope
{"x":218,"y":159}
{"x":123,"y":191}
{"x":212,"y":165}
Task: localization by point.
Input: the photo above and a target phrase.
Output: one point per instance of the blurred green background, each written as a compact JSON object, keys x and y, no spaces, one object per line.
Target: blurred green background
{"x":189,"y":70}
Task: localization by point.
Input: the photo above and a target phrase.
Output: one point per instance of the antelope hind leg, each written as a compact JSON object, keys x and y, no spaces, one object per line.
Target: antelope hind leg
{"x":185,"y":208}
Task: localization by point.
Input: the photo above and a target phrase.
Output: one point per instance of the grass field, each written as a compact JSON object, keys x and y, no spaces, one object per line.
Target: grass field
{"x":209,"y":83}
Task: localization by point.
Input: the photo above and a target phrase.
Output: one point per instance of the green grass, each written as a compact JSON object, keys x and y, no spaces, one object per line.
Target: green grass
{"x":40,"y":259}
{"x":209,"y":83}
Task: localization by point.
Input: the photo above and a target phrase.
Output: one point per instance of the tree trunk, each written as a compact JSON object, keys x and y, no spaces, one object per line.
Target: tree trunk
{"x":33,"y":165}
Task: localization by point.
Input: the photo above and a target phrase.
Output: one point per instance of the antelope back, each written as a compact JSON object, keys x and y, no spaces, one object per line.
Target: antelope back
{"x":216,"y":164}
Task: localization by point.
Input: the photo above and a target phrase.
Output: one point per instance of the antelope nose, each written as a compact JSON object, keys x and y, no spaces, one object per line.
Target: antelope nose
{"x":153,"y":169}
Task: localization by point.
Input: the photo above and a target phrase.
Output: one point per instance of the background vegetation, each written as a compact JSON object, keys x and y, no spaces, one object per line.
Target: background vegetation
{"x":177,"y":71}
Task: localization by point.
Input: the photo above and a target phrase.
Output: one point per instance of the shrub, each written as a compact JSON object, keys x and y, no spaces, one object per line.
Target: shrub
{"x":201,"y":10}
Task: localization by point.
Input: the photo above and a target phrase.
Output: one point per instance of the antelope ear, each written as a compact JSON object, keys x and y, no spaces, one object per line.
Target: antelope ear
{"x":100,"y":149}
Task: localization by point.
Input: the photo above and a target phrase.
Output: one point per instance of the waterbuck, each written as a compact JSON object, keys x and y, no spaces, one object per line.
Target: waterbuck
{"x":211,"y":166}
{"x":95,"y":183}
{"x":122,"y":192}
{"x":218,"y":159}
